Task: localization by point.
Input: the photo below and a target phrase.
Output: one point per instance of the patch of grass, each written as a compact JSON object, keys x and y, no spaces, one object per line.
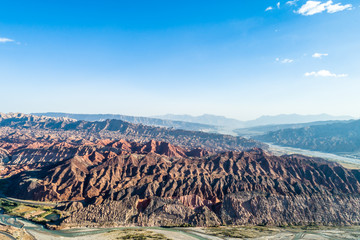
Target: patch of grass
{"x":311,"y":227}
{"x":139,"y":234}
{"x":184,"y":225}
{"x":241,"y":232}
{"x":38,"y":214}
{"x":8,"y":206}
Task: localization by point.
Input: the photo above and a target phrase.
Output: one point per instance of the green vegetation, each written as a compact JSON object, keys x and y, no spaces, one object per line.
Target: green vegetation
{"x":38,"y":214}
{"x":8,"y":206}
{"x":139,"y":234}
{"x":183,"y":225}
{"x":242,"y":232}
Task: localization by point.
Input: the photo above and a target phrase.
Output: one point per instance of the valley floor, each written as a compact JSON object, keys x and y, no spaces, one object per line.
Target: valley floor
{"x":348,"y":161}
{"x":203,"y":233}
{"x":34,"y":231}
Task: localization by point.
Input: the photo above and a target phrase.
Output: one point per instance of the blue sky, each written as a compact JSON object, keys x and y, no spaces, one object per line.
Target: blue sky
{"x":240,"y":59}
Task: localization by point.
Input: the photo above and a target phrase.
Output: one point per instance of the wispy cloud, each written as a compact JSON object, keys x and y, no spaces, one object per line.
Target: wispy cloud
{"x":338,"y":7}
{"x":292,"y":3}
{"x":5,"y":40}
{"x":314,"y":7}
{"x":319,"y":55}
{"x":272,"y":8}
{"x":324,"y":73}
{"x":286,"y":60}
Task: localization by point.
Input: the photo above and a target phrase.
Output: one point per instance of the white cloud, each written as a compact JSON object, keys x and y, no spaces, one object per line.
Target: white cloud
{"x":286,"y":60}
{"x":292,"y":3}
{"x":272,"y":8}
{"x":324,"y":73}
{"x":338,"y":7}
{"x":314,"y":7}
{"x":319,"y":55}
{"x":5,"y":40}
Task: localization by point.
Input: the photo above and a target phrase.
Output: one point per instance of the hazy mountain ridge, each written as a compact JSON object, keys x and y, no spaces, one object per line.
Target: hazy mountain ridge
{"x":118,"y":129}
{"x":261,"y":121}
{"x":261,"y":130}
{"x":132,"y":119}
{"x":342,"y":137}
{"x":204,"y":119}
{"x":295,"y":119}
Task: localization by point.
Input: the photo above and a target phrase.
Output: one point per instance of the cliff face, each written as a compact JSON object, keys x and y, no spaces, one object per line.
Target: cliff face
{"x":276,"y":209}
{"x":236,"y":209}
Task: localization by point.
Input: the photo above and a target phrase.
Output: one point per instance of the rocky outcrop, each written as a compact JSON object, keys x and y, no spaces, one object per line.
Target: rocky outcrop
{"x":109,"y":213}
{"x":236,"y":209}
{"x":300,"y":209}
{"x":159,"y":212}
{"x":4,"y":156}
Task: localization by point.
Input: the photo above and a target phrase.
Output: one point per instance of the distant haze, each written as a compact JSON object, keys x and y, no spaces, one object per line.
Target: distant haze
{"x":203,"y":122}
{"x":263,"y":120}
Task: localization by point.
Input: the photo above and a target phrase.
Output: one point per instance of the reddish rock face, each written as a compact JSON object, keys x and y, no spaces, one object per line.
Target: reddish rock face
{"x":151,"y":182}
{"x":194,"y":201}
{"x":194,"y":181}
{"x":35,"y":151}
{"x":250,"y":187}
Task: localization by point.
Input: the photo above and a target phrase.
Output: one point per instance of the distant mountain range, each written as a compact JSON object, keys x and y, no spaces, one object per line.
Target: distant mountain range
{"x":118,"y":129}
{"x":192,"y":126}
{"x":341,"y":137}
{"x":261,"y":121}
{"x":206,"y":122}
{"x":204,"y":119}
{"x":261,"y":130}
{"x":293,"y":119}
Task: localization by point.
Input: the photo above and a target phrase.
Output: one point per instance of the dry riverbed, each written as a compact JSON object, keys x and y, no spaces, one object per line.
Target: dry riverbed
{"x":13,"y":227}
{"x":220,"y":233}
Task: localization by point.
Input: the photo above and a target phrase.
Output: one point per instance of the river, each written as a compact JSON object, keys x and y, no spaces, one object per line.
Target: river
{"x":280,"y":150}
{"x":40,"y":232}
